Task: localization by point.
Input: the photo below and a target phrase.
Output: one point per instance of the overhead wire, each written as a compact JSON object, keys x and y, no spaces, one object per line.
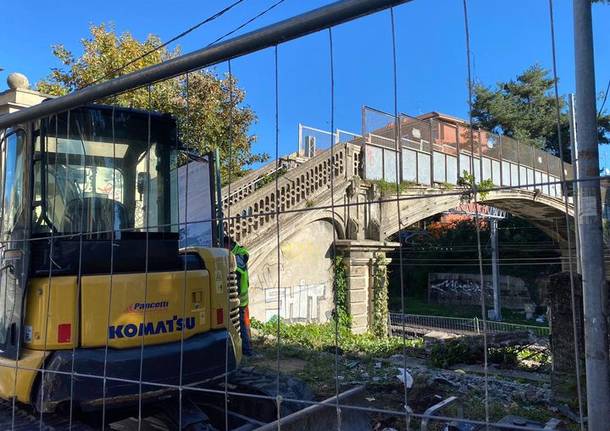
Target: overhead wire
{"x":190,"y":30}
{"x":165,"y":44}
{"x":254,"y":18}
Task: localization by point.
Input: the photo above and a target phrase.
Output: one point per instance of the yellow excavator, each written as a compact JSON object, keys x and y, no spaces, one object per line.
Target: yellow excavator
{"x":103,"y":303}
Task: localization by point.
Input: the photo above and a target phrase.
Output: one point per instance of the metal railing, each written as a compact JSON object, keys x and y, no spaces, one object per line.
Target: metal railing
{"x":435,"y":148}
{"x":459,"y":325}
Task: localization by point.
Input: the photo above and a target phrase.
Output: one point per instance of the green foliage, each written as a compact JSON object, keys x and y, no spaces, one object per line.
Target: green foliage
{"x":481,"y":189}
{"x":324,"y":337}
{"x":387,"y":188}
{"x":341,"y":312}
{"x":210,"y":110}
{"x":444,"y":355}
{"x":505,"y":357}
{"x":270,"y":178}
{"x":525,"y":109}
{"x":460,"y":351}
{"x":380,"y":296}
{"x":540,"y":356}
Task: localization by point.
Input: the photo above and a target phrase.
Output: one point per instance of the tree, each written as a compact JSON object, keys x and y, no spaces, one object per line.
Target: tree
{"x":210,"y":110}
{"x":525,"y":109}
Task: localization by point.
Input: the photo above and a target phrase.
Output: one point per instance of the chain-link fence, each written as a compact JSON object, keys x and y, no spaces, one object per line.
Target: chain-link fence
{"x":157,"y":274}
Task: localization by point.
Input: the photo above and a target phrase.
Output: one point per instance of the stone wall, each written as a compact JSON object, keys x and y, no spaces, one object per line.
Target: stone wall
{"x":561,"y":322}
{"x":305,"y":291}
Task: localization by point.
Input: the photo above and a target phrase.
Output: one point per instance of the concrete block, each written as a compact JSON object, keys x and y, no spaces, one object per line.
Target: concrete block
{"x":358,"y":308}
{"x":357,"y":295}
{"x":358,"y":271}
{"x":359,"y":326}
{"x":354,"y":283}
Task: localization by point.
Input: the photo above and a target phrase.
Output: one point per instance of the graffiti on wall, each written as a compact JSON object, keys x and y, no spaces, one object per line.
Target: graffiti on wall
{"x":300,"y":303}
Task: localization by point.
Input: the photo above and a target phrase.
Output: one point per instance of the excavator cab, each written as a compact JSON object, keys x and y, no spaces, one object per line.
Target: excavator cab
{"x":98,"y":289}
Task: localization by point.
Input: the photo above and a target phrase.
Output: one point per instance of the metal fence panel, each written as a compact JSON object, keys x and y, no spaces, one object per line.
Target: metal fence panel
{"x":538,"y":179}
{"x":438,"y":174}
{"x":522,"y":175}
{"x":389,"y":166}
{"x":477,"y":169}
{"x":373,"y":163}
{"x":423,"y":168}
{"x":409,"y":165}
{"x":495,"y":172}
{"x":505,"y":173}
{"x":510,"y":149}
{"x":530,"y":179}
{"x":514,"y":174}
{"x":452,"y":170}
{"x":545,"y":181}
{"x":459,"y":325}
{"x":464,"y":164}
{"x":312,"y":140}
{"x":486,"y":168}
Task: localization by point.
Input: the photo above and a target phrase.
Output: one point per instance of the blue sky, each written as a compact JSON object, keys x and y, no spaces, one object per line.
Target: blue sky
{"x":506,"y":36}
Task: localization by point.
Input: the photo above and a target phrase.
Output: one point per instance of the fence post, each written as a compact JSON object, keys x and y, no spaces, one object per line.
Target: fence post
{"x":476,"y":325}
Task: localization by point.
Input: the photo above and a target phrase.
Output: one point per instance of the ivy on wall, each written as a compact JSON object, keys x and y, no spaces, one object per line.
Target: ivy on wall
{"x":379,"y":325}
{"x":341,"y":312}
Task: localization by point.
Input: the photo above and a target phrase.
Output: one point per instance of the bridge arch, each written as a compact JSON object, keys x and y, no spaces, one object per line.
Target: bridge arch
{"x":542,"y":211}
{"x":305,"y":268}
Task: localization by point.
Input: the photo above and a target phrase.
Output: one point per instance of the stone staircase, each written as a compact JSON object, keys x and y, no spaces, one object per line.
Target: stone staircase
{"x":252,"y":202}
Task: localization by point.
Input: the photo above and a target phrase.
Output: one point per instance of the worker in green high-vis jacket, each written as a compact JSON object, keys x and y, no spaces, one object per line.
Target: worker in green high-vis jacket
{"x":241,"y":259}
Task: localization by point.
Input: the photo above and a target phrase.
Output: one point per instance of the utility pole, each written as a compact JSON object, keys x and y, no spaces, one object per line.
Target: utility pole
{"x":493,"y":215}
{"x":590,"y":224}
{"x":574,"y":153}
{"x":495,"y":275}
{"x":493,"y":225}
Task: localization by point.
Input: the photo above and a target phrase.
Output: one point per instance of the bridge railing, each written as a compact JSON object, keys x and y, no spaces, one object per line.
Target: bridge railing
{"x":312,"y":140}
{"x":436,"y":149}
{"x":245,"y":186}
{"x":296,"y":188}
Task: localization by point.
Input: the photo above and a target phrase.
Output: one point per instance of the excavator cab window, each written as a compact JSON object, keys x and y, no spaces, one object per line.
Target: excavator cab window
{"x":101,"y":171}
{"x":13,"y":162}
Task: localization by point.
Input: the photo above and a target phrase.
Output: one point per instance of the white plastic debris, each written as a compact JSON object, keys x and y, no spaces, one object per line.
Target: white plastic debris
{"x":405,"y":377}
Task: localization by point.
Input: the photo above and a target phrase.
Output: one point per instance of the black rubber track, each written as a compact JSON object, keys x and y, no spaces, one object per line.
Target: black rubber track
{"x":22,"y":418}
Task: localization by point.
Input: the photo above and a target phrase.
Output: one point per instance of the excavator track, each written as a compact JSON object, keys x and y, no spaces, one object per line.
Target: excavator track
{"x":243,"y":410}
{"x":17,"y":417}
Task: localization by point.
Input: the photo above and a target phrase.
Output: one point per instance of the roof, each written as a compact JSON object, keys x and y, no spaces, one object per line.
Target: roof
{"x":444,"y":117}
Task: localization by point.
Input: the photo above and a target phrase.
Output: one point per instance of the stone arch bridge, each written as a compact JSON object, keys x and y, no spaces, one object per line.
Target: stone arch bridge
{"x":319,"y":212}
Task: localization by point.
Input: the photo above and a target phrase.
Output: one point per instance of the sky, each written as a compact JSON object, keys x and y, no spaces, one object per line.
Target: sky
{"x":507,"y":36}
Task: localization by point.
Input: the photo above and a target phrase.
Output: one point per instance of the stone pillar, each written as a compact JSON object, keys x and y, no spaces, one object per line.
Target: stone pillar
{"x":559,"y":301}
{"x":358,"y":256}
{"x":19,"y":95}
